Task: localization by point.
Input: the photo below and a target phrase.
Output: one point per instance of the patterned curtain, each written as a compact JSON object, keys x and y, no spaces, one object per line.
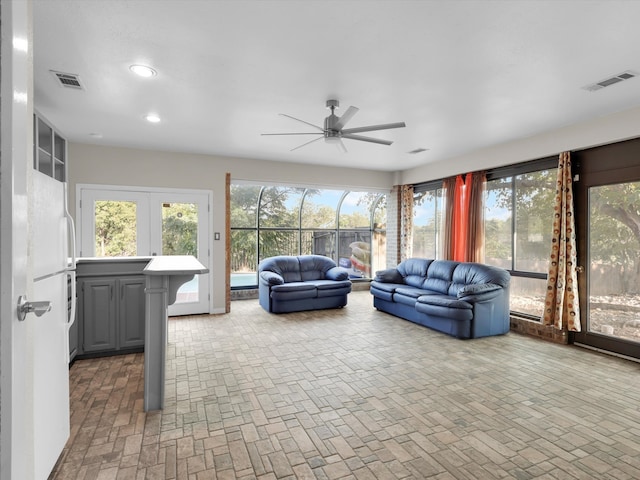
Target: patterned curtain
{"x":406,"y":222}
{"x":561,"y":305}
{"x":449,"y":185}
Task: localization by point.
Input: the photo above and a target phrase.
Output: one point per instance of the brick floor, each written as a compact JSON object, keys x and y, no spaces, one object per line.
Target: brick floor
{"x":353,"y":394}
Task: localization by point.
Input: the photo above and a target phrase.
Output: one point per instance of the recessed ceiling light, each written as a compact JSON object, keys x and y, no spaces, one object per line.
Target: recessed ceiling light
{"x":143,"y":71}
{"x":95,"y":135}
{"x":152,"y":118}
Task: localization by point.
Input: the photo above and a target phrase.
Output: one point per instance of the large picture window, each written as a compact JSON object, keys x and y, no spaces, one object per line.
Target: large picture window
{"x":349,"y":227}
{"x":428,"y":208}
{"x":518,"y":221}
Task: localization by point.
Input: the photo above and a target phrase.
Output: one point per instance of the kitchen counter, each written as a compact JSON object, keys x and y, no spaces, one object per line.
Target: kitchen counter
{"x":160,"y":277}
{"x":164,"y":276}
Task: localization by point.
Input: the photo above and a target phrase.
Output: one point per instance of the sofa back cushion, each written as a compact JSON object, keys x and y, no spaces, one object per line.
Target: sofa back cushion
{"x":298,"y":269}
{"x":477,"y":273}
{"x":285,"y":266}
{"x":439,"y":276}
{"x":414,"y":270}
{"x":314,"y":267}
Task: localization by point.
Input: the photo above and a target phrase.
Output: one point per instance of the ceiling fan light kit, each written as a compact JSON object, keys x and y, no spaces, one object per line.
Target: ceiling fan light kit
{"x":334,"y":131}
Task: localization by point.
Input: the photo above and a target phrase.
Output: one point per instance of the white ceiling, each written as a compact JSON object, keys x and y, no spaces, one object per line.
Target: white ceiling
{"x":462,"y":74}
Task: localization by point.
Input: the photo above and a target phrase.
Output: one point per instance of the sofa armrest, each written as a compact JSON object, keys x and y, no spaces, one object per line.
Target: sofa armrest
{"x":390,"y":275}
{"x":336,"y":273}
{"x":479,"y":292}
{"x":271,"y":278}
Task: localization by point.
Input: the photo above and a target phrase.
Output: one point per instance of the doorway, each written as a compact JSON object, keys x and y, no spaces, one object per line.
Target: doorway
{"x":608,"y":226}
{"x":136,"y":221}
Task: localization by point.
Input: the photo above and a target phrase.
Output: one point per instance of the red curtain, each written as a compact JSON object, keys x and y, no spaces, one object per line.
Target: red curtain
{"x":465,"y":222}
{"x":461,"y":217}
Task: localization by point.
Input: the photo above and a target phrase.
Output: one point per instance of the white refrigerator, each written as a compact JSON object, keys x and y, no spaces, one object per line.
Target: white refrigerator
{"x":53,"y":254}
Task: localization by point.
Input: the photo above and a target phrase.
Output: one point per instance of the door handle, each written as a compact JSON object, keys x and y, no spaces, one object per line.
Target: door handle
{"x":24,"y":307}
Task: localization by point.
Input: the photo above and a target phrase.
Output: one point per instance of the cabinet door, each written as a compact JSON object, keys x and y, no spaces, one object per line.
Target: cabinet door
{"x":131,"y":311}
{"x":99,"y":314}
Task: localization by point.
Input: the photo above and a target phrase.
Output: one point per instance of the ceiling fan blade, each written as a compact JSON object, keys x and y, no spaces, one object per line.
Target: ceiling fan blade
{"x":295,"y":133}
{"x":366,"y":139}
{"x":298,"y":120}
{"x":307,"y":143}
{"x":348,"y":115}
{"x":371,"y":128}
{"x":341,"y":146}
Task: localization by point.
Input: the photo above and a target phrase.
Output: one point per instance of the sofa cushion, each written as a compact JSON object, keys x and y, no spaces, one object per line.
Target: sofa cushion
{"x":439,"y":276}
{"x":412,"y":291}
{"x":334,"y":292}
{"x":386,"y":287}
{"x":294,"y":291}
{"x":330,"y":284}
{"x":313,"y":267}
{"x":271,"y":278}
{"x":285,"y":266}
{"x":391,"y":275}
{"x":337,"y":274}
{"x":414,"y":270}
{"x":382,"y":294}
{"x":404,"y":299}
{"x":444,"y":306}
{"x":479,"y":292}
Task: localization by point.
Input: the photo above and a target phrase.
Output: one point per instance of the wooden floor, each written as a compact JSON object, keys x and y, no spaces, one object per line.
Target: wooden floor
{"x":354,"y":394}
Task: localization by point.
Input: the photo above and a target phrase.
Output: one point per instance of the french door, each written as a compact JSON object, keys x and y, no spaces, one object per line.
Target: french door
{"x":149,"y":222}
{"x":608,"y":224}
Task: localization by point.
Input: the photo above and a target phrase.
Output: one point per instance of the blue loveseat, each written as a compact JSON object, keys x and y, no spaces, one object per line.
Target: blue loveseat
{"x":297,"y":283}
{"x":463,"y":299}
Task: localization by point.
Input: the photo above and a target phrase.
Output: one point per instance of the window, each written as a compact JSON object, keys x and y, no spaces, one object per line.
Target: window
{"x":427,"y":222}
{"x":348,"y":227}
{"x":518,"y":222}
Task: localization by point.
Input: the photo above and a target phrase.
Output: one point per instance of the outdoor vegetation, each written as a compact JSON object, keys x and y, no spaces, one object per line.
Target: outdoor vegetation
{"x":269,"y":221}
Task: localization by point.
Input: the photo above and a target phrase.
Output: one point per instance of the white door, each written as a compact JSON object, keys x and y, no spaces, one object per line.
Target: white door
{"x":24,"y":433}
{"x":134,"y":221}
{"x":179,"y":226}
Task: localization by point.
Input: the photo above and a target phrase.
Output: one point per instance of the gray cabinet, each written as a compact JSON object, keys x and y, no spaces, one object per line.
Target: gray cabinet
{"x":131,"y":312}
{"x":98,"y":313}
{"x":111,"y":306}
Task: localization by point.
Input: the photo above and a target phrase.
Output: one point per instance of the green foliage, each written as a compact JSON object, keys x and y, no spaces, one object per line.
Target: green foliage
{"x":115,"y":229}
{"x":180,"y":229}
{"x":280,"y":222}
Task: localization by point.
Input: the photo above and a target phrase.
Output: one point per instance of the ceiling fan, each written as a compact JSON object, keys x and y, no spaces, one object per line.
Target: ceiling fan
{"x":334,"y":131}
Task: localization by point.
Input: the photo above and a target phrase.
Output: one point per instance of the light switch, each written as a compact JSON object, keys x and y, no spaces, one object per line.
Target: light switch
{"x":216,"y":236}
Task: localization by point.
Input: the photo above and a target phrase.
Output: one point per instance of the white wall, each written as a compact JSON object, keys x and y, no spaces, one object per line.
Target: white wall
{"x":131,"y":167}
{"x":601,"y":131}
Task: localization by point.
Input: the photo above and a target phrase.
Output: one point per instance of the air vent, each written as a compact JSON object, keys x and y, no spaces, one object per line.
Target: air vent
{"x":610,"y":81}
{"x":68,"y":80}
{"x":418,"y":150}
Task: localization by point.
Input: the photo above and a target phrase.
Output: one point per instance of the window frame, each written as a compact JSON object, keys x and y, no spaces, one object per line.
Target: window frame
{"x":299,"y":230}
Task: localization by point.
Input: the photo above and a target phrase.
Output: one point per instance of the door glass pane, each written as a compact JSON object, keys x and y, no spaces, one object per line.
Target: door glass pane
{"x":115,"y":234}
{"x":180,"y":237}
{"x":614,"y":260}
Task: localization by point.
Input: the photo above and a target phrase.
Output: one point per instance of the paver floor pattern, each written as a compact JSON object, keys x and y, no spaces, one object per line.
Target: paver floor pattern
{"x":353,"y":393}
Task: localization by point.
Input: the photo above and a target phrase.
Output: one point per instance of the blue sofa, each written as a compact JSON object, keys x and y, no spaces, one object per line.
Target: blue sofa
{"x":463,"y":299}
{"x":297,"y":283}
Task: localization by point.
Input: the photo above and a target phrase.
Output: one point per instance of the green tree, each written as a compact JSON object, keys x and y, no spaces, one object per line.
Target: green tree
{"x":115,"y":228}
{"x":180,"y":229}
